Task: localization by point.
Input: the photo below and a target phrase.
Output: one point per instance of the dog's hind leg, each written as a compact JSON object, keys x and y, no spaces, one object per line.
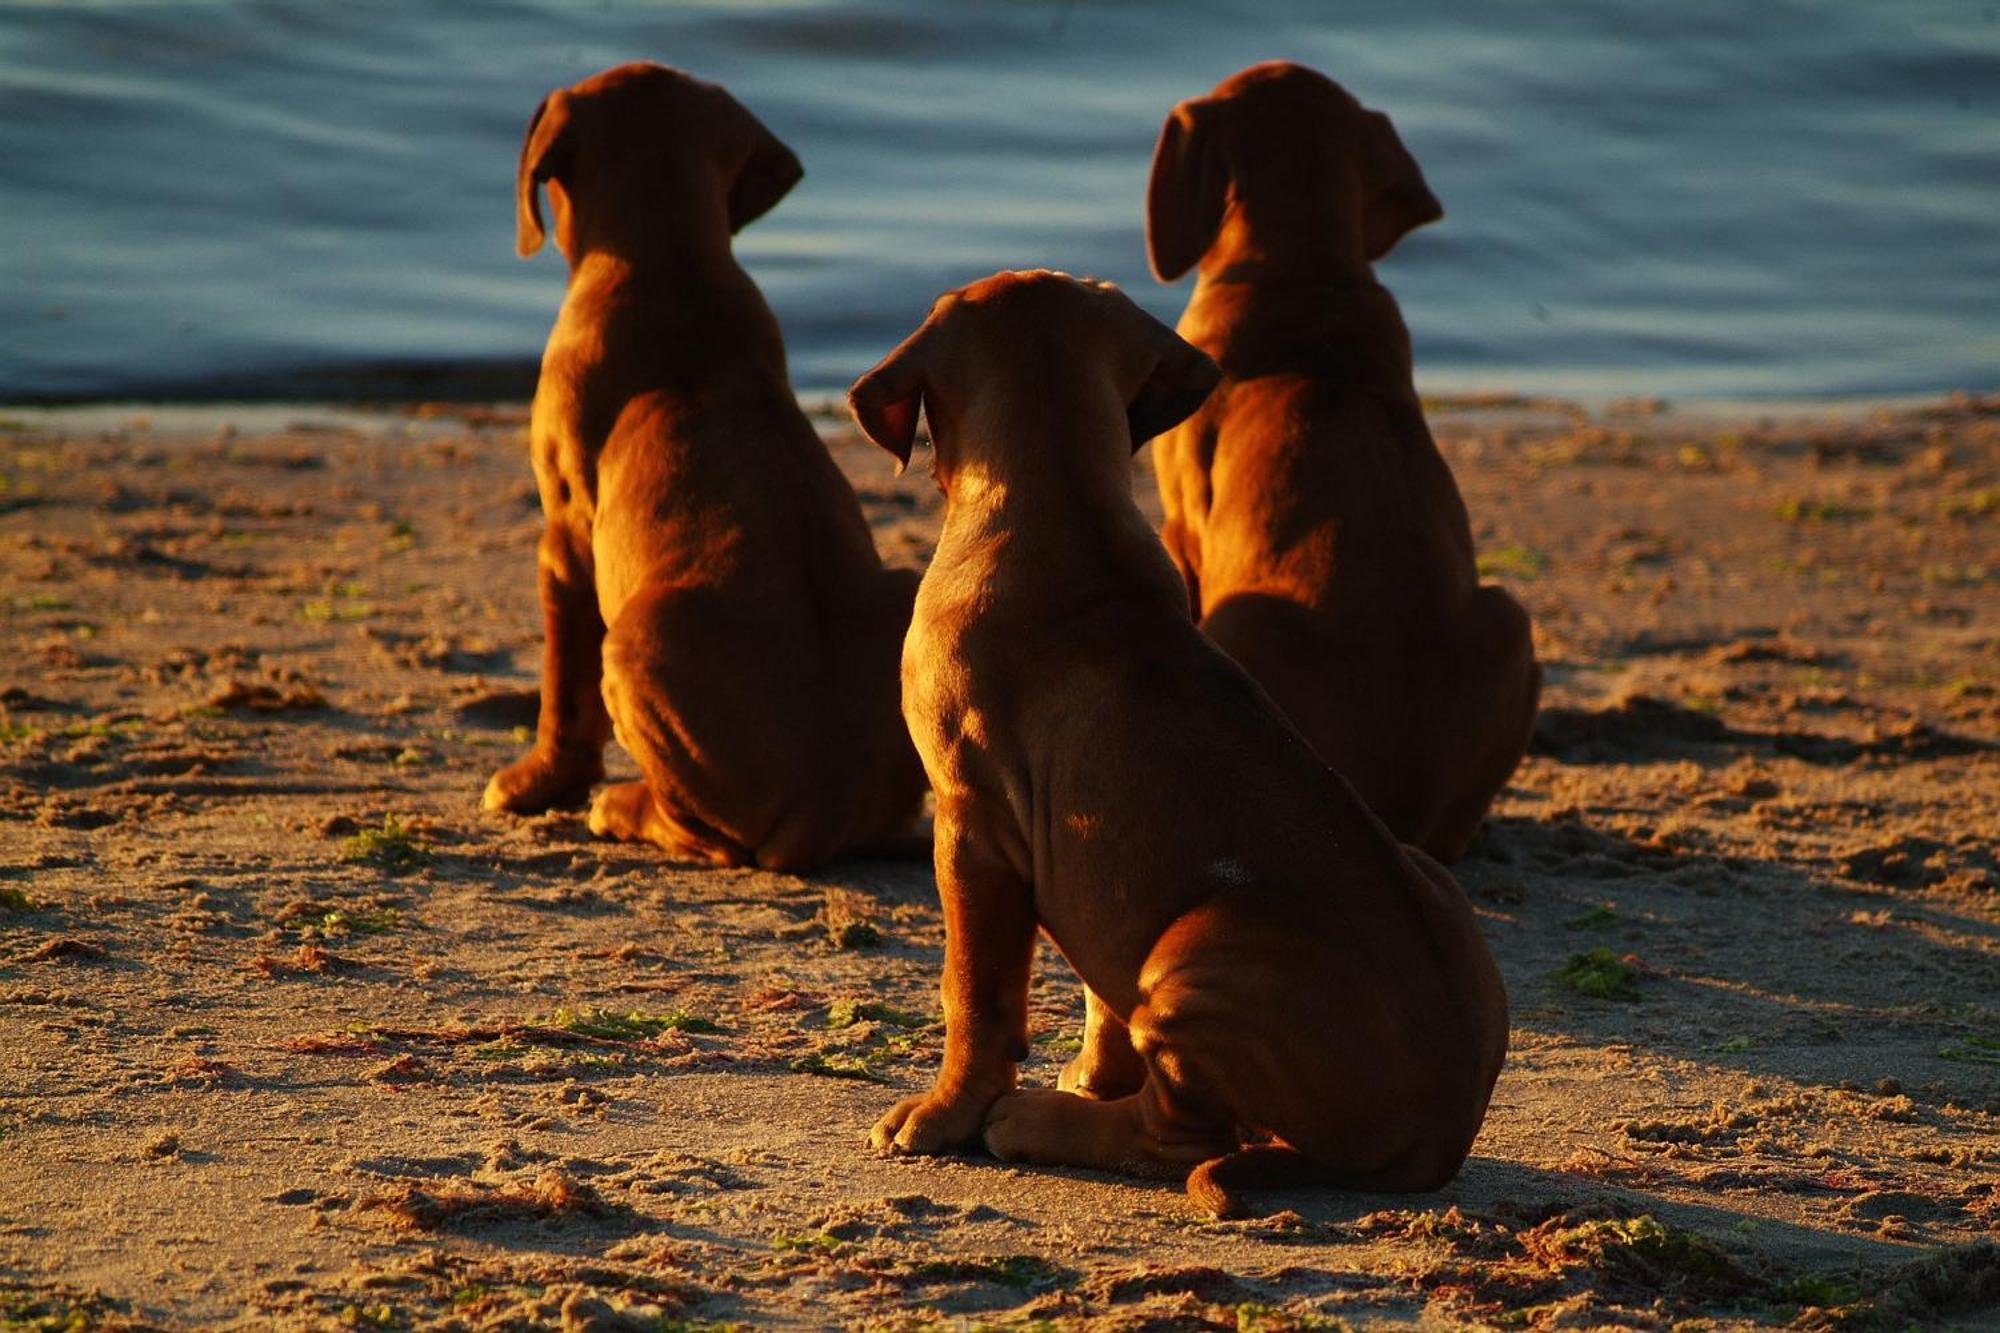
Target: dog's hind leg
{"x":1504,"y":705}
{"x":1151,"y":1133}
{"x":1107,"y":1066}
{"x":627,"y":811}
{"x":695,"y":704}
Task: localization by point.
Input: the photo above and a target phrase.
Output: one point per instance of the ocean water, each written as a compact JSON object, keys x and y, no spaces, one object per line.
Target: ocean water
{"x":1704,"y":199}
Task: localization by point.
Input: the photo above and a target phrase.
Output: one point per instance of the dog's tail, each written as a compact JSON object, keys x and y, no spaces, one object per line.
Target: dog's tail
{"x":1214,"y":1185}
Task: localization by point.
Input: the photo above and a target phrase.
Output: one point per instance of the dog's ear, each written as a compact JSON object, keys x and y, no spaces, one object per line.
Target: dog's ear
{"x":545,"y":153}
{"x":767,"y":176}
{"x":887,"y":399}
{"x":1396,"y":199}
{"x":1180,"y":381}
{"x":1187,"y":191}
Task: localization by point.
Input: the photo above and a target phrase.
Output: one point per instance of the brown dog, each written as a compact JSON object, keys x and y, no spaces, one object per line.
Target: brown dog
{"x":749,"y":661}
{"x":1322,"y":538}
{"x":1288,"y":976}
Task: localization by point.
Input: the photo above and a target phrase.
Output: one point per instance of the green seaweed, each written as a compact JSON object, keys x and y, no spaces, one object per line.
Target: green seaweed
{"x":855,"y":935}
{"x":24,"y":1310}
{"x":1600,"y":974}
{"x":1818,"y":1291}
{"x":1647,"y":1253}
{"x":1971,"y":504}
{"x":323,"y":610}
{"x":1252,"y":1317}
{"x":97,"y":727}
{"x":393,"y":848}
{"x":820,"y":1242}
{"x":1973,"y":1050}
{"x":1521,"y":562}
{"x":634,"y":1025}
{"x":837,"y":1065}
{"x":1009,"y":1270}
{"x":1797,"y":510}
{"x":354,"y":921}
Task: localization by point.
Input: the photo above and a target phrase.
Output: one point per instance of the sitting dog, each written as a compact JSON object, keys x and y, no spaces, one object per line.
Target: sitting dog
{"x":1280,"y":972}
{"x":1323,"y":541}
{"x":709,"y":586}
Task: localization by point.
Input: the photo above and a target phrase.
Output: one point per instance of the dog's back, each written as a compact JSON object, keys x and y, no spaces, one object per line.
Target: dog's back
{"x":1323,"y":539}
{"x":664,"y":398}
{"x":1279,"y":962}
{"x":1316,"y":405}
{"x":702,"y":550}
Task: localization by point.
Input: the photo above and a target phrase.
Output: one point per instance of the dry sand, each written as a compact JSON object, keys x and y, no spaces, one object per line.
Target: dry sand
{"x":293,"y":1035}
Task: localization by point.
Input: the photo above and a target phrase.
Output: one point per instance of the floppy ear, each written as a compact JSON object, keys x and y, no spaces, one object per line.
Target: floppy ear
{"x":1180,"y":381}
{"x":1397,"y":200}
{"x":886,"y":400}
{"x":1187,"y":190}
{"x":766,"y":177}
{"x":544,"y":153}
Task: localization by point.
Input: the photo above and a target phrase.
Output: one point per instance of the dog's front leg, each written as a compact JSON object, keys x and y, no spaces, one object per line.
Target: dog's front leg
{"x":572,"y":727}
{"x":989,"y":920}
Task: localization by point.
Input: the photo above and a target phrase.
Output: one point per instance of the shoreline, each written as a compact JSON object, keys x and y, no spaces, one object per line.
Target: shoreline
{"x":175,"y":416}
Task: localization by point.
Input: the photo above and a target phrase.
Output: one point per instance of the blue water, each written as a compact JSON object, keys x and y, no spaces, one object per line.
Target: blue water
{"x":1708,"y":198}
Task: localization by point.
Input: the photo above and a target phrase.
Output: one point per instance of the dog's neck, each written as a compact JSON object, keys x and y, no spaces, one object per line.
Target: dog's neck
{"x":665,"y":320}
{"x":660,"y":272}
{"x":658,"y":255}
{"x":664,"y":254}
{"x":678,"y":222}
{"x":1258,"y":314}
{"x":1036,"y":472}
{"x":1289,"y":251}
{"x":1021,"y":444}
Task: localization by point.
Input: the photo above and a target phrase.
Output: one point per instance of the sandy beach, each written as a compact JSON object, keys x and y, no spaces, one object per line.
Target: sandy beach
{"x":292,"y":1035}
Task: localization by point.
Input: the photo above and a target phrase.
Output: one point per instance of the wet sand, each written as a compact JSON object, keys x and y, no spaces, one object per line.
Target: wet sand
{"x":296,"y":1036}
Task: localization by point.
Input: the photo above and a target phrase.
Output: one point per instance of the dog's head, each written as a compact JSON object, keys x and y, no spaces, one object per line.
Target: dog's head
{"x":1289,"y":157}
{"x":621,"y":145}
{"x":1040,"y":338}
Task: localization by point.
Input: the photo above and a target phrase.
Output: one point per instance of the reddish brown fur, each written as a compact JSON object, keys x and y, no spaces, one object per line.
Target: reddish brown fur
{"x":1271,"y":962}
{"x":1321,"y":535}
{"x":709,"y":586}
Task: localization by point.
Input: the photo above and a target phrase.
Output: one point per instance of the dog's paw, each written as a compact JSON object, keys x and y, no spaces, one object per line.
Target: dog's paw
{"x":1024,"y":1125}
{"x":1005,"y":1129}
{"x":626,"y":811}
{"x":919,"y":1126}
{"x":1087,"y":1076}
{"x":619,"y":811}
{"x":533,"y":784}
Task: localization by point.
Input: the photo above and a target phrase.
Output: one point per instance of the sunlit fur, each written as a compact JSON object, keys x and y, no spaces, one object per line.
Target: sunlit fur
{"x":710,"y":588}
{"x":1266,"y":965}
{"x":1321,"y":535}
